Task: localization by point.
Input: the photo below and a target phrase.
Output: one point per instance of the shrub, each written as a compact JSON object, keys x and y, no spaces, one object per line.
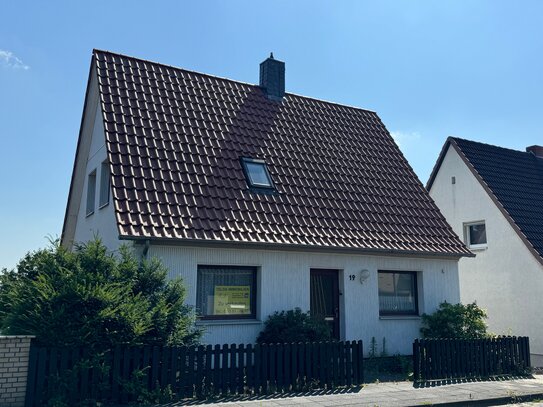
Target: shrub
{"x":455,"y":321}
{"x":90,"y":297}
{"x":294,"y":326}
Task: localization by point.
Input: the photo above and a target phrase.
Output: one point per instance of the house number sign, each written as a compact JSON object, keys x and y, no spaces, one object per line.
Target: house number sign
{"x":364,"y":275}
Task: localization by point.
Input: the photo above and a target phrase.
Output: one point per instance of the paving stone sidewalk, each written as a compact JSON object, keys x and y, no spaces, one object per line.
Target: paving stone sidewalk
{"x":488,"y":393}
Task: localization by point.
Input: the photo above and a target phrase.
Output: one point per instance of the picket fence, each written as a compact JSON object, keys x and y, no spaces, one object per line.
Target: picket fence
{"x":439,"y":359}
{"x":188,"y":372}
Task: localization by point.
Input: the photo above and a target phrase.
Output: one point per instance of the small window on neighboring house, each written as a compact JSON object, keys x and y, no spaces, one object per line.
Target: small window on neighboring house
{"x":398,"y":293}
{"x":476,"y":235}
{"x":104,"y":184}
{"x":257,"y":174}
{"x":91,"y":192}
{"x":226,"y":292}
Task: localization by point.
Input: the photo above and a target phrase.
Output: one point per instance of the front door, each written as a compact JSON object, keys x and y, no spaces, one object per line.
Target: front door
{"x":324,"y":297}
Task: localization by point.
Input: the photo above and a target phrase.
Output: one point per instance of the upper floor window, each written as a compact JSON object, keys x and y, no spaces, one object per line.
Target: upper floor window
{"x":398,"y":293}
{"x":476,"y":235}
{"x":104,"y":184}
{"x":91,"y":192}
{"x":257,"y":174}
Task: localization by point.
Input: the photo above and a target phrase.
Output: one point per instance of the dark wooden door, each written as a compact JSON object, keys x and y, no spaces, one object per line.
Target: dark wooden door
{"x":324,"y":297}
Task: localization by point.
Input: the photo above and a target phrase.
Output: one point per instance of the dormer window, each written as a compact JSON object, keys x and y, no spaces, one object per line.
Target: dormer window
{"x":257,"y":175}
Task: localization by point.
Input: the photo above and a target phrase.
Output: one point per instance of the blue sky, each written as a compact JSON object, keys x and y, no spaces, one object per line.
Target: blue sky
{"x":430,"y":69}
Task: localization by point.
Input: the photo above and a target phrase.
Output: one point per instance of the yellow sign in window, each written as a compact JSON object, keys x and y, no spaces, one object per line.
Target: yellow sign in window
{"x":232,"y":300}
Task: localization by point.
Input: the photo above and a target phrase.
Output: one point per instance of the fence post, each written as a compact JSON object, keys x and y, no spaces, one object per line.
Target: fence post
{"x":416,"y":361}
{"x":257,"y":368}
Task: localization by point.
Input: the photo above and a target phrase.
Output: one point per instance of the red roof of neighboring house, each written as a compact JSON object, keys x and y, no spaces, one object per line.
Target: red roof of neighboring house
{"x":175,"y":138}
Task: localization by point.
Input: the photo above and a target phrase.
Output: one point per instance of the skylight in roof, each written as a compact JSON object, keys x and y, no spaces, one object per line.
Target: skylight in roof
{"x":257,"y":174}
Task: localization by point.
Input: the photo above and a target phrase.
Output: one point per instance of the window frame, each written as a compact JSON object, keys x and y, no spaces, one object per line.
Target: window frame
{"x":416,"y":294}
{"x":253,"y":299}
{"x":258,"y":188}
{"x":104,"y":193}
{"x":91,"y":203}
{"x":467,"y":235}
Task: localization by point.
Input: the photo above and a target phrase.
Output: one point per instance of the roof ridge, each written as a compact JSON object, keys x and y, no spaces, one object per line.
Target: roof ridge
{"x":229,"y":79}
{"x":491,"y":145}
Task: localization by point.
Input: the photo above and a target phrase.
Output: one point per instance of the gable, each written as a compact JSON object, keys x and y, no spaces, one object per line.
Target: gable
{"x":77,"y":183}
{"x":175,"y":138}
{"x":512,"y":179}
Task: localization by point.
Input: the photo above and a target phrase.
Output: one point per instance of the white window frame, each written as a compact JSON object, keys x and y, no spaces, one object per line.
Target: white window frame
{"x":91,"y":192}
{"x":481,"y":246}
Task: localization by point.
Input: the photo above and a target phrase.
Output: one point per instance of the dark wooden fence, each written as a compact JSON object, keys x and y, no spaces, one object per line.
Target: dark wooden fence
{"x":192,"y":371}
{"x":439,"y":359}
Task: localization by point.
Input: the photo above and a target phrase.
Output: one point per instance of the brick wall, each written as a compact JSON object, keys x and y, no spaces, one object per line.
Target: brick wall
{"x":13,"y":369}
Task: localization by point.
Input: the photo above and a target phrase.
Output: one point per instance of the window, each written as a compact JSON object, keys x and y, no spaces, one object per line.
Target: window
{"x":104,"y":184}
{"x":257,"y":174}
{"x":476,"y":235}
{"x":226,"y":292}
{"x":91,"y":192}
{"x":398,"y":293}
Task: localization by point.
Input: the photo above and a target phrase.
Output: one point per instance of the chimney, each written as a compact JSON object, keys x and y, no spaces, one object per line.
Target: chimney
{"x":272,"y":78}
{"x":535,"y":150}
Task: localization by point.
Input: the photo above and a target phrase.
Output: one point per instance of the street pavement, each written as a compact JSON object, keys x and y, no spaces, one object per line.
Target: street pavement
{"x":403,"y":394}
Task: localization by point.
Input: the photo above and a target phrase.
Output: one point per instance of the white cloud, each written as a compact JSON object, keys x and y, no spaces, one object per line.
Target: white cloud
{"x":7,"y":59}
{"x":402,"y":138}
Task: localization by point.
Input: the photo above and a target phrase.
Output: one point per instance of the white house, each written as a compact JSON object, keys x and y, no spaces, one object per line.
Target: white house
{"x":493,"y":198}
{"x":261,"y":200}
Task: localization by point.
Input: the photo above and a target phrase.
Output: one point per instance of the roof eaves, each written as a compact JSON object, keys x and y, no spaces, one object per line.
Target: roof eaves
{"x":72,"y":180}
{"x":437,"y":165}
{"x":296,"y":247}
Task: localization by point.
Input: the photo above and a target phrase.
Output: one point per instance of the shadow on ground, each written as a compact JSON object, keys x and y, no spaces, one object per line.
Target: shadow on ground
{"x":319,"y":392}
{"x":436,"y":383}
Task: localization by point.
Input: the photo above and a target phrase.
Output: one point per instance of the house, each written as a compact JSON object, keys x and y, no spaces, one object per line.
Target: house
{"x":493,"y":198}
{"x":262,"y":200}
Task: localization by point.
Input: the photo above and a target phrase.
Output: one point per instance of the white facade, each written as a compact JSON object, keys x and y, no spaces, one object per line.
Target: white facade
{"x":283,"y":283}
{"x":283,"y":277}
{"x":504,"y":278}
{"x":80,"y":227}
{"x":102,"y":222}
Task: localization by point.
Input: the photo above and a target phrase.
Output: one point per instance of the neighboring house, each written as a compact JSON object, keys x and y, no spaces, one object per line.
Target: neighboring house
{"x":261,"y":200}
{"x":493,"y":198}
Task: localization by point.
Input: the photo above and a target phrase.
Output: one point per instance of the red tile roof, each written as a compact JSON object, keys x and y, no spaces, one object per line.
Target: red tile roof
{"x":175,"y":138}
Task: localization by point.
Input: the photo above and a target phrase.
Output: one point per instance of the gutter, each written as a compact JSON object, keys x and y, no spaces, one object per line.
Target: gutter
{"x":146,"y":241}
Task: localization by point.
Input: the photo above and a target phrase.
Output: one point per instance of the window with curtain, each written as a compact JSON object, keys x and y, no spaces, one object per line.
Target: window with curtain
{"x":226,"y":292}
{"x":398,"y":293}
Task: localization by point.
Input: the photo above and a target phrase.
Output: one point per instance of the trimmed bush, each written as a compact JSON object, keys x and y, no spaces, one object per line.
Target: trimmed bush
{"x":294,"y":326}
{"x":455,"y":321}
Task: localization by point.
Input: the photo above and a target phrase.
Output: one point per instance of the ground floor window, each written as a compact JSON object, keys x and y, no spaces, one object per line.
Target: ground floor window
{"x":398,"y":293}
{"x":226,"y":292}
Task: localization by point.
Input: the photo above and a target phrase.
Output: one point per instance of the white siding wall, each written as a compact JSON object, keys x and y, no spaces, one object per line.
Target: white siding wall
{"x":505,"y":278}
{"x":284,"y":284}
{"x":102,"y":222}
